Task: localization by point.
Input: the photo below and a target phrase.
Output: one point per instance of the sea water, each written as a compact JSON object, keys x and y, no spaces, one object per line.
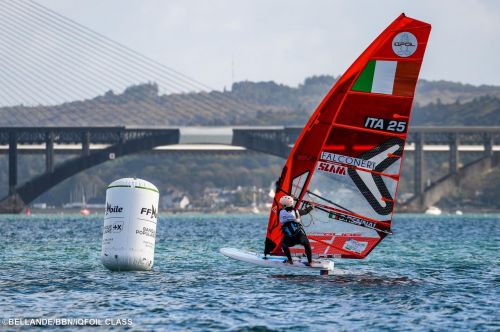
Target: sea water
{"x":435,"y":273}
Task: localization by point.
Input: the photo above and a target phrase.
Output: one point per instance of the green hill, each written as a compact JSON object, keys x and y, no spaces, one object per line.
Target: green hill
{"x":481,"y":111}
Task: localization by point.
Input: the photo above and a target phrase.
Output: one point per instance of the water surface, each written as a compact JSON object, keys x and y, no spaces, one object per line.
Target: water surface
{"x":435,"y":273}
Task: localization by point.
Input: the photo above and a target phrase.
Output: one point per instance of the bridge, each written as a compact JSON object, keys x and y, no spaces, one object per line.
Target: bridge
{"x":96,"y":145}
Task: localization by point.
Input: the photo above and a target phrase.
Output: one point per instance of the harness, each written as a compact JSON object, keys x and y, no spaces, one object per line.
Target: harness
{"x":292,"y":228}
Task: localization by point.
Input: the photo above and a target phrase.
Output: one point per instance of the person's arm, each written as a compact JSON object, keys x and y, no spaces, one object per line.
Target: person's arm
{"x":306,"y":210}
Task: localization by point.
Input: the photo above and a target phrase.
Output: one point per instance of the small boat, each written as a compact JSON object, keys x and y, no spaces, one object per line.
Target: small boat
{"x":434,"y":211}
{"x":84,"y":212}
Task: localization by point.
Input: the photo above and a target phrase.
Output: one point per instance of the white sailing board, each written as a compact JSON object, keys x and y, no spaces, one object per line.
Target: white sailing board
{"x":276,"y":261}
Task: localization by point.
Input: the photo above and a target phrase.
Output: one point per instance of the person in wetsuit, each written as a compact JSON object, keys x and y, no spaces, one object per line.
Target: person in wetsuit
{"x":293,"y":231}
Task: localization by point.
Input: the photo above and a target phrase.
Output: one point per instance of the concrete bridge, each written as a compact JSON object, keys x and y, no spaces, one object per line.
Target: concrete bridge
{"x":456,"y":139}
{"x":96,"y":145}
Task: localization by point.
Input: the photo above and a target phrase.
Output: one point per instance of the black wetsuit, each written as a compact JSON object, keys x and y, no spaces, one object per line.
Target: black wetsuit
{"x":293,"y":234}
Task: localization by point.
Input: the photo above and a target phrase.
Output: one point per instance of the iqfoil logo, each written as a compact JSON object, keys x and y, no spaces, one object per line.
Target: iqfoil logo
{"x":404,"y":44}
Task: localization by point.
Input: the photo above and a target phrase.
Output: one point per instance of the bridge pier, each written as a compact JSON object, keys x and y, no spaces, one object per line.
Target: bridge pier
{"x":454,"y":158}
{"x":488,"y":144}
{"x":419,"y":165}
{"x":86,"y":143}
{"x":12,"y":162}
{"x":49,"y":152}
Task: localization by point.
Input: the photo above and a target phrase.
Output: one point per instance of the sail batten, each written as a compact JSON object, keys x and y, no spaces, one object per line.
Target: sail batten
{"x":367,"y":170}
{"x":347,"y":161}
{"x":339,"y":125}
{"x":345,"y":213}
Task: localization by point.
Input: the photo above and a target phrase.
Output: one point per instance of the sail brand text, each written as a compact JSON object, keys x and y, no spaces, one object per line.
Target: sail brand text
{"x":332,"y":168}
{"x":148,"y":212}
{"x":352,"y":220}
{"x":385,"y":124}
{"x":338,"y":158}
{"x":113,"y":209}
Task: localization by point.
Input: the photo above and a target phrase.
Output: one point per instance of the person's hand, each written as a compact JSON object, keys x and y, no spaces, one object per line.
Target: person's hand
{"x":308,"y":207}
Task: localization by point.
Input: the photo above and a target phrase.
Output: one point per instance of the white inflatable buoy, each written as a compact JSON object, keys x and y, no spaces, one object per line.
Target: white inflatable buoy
{"x":128,"y":241}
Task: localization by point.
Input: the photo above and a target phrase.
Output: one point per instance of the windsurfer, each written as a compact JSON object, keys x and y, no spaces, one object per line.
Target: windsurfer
{"x":293,"y":231}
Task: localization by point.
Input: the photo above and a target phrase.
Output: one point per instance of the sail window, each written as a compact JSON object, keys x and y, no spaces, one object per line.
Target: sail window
{"x":298,"y":184}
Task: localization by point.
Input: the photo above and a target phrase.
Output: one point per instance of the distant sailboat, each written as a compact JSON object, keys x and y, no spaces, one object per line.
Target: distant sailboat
{"x":271,"y":195}
{"x":255,"y":209}
{"x":84,"y":211}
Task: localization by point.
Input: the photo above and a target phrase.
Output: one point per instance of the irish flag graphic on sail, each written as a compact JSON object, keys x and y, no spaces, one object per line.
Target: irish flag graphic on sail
{"x":388,"y":77}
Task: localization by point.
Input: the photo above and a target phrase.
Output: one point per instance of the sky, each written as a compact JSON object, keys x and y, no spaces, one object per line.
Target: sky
{"x":218,"y":42}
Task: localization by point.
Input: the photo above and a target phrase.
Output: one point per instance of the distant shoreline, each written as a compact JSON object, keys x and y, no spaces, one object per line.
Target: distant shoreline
{"x":232,"y":211}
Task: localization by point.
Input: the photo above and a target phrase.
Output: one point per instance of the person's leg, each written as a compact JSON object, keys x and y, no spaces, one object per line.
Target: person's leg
{"x":307,"y":247}
{"x":286,"y":250}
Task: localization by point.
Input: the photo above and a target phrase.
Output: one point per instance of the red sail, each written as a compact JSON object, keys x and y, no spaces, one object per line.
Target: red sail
{"x":347,"y":160}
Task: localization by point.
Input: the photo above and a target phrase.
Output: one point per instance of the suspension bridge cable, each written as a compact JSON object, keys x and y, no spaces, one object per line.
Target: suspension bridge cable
{"x":20,"y":86}
{"x":127,"y":79}
{"x":128,"y":50}
{"x":136,"y":55}
{"x":82,"y":39}
{"x":31,"y":67}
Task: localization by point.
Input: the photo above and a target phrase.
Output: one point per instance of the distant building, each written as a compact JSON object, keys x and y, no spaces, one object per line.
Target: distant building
{"x":40,"y":206}
{"x":220,"y":198}
{"x":184,"y":202}
{"x":174,"y":199}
